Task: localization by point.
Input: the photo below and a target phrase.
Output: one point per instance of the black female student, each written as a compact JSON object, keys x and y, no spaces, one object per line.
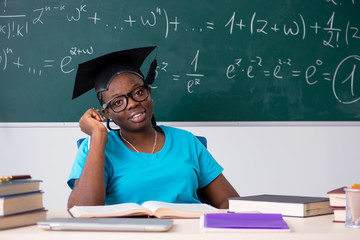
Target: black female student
{"x":138,"y":162}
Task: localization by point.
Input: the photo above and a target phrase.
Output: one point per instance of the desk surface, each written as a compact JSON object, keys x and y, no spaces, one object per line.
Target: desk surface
{"x":316,"y":228}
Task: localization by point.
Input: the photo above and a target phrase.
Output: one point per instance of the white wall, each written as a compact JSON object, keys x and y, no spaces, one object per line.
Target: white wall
{"x":303,"y":160}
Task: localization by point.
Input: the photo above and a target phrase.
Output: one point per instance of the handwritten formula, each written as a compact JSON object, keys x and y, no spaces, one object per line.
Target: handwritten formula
{"x":201,"y":47}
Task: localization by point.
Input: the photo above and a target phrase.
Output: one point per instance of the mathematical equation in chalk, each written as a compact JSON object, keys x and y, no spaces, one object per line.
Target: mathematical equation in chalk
{"x":296,"y":27}
{"x":10,"y":60}
{"x":240,"y":69}
{"x":345,"y":86}
{"x":167,"y":22}
{"x":333,"y":31}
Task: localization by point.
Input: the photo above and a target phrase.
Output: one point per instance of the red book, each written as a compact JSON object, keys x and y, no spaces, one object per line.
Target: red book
{"x":337,"y":197}
{"x":339,"y":214}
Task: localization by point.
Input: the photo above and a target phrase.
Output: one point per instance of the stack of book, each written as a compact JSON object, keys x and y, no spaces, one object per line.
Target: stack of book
{"x":291,"y":206}
{"x":21,"y":203}
{"x":338,"y":203}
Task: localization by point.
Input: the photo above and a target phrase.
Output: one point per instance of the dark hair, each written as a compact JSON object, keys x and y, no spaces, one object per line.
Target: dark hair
{"x":100,"y":98}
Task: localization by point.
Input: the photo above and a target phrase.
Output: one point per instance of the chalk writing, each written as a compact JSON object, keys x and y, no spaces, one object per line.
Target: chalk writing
{"x":159,"y":17}
{"x":80,"y":51}
{"x":339,"y":2}
{"x":39,"y":12}
{"x":193,"y":78}
{"x":14,"y":29}
{"x":201,"y":46}
{"x":10,"y":59}
{"x":349,"y":65}
{"x":4,"y":57}
{"x":297,"y":27}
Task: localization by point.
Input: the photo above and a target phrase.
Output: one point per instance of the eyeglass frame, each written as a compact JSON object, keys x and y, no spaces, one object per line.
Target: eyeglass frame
{"x":127,"y":96}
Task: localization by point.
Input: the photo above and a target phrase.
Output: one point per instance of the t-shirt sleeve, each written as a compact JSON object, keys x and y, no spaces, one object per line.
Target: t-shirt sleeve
{"x":79,"y":162}
{"x":209,"y":168}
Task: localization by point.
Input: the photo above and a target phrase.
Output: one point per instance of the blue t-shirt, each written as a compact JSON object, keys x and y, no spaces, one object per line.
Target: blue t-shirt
{"x":173,"y":174}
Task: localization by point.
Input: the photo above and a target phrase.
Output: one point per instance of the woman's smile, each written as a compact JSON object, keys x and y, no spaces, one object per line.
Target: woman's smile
{"x":137,"y":116}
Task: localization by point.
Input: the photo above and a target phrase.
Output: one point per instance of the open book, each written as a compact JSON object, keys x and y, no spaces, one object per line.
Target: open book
{"x":150,"y":208}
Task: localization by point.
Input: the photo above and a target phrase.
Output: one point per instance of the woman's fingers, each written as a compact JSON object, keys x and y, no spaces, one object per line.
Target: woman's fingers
{"x":91,"y":121}
{"x":95,"y":113}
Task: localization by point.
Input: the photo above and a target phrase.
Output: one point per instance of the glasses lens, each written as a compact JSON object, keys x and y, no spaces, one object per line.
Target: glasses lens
{"x":139,"y":94}
{"x":118,"y":104}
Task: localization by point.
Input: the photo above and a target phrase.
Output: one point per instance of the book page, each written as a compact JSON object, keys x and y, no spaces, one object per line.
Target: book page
{"x":154,"y":205}
{"x":106,"y":210}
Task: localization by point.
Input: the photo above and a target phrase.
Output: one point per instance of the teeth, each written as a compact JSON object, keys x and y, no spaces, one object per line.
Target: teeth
{"x":136,"y":115}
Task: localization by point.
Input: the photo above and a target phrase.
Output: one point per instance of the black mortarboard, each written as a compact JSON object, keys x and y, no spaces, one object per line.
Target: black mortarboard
{"x":98,"y":72}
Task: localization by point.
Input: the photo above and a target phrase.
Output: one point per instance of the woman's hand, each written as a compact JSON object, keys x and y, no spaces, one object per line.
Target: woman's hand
{"x":90,"y":122}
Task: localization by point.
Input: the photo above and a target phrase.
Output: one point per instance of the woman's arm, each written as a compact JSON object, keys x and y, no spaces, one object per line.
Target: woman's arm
{"x":89,"y":189}
{"x":218,"y":191}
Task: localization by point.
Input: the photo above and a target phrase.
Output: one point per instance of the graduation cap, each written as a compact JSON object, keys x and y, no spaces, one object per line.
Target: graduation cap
{"x":99,"y":72}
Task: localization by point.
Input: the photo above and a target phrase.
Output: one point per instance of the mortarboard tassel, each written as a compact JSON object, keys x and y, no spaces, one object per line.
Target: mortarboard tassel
{"x":150,"y":78}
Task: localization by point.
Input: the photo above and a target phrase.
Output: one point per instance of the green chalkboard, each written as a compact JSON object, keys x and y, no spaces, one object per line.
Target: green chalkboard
{"x":248,"y":60}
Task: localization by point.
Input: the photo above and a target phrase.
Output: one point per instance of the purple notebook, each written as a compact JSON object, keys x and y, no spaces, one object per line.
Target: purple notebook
{"x":244,"y":221}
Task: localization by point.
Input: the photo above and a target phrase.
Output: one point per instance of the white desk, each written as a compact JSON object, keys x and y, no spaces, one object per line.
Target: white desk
{"x":316,"y":228}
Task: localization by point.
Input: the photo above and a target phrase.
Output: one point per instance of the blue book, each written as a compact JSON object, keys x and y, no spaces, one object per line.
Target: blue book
{"x":243,"y":221}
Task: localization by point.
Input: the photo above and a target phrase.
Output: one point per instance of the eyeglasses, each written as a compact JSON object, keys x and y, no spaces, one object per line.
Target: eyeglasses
{"x":119,"y":103}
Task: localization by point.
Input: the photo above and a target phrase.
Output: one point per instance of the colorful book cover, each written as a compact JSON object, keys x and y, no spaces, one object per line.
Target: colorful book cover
{"x":257,"y":221}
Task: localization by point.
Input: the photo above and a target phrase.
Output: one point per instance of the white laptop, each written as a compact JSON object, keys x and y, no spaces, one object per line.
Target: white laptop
{"x":107,"y":224}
